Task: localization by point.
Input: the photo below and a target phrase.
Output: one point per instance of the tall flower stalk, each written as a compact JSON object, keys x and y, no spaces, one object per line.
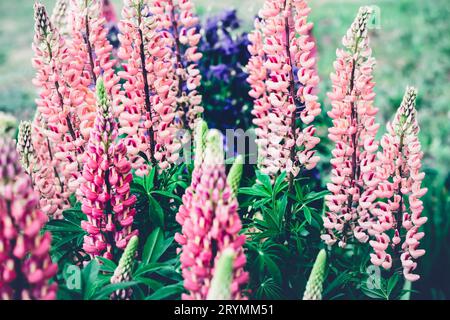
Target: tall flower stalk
{"x":107,"y":200}
{"x":147,"y":114}
{"x":179,"y":28}
{"x":397,"y":221}
{"x":353,"y":176}
{"x":283,"y":79}
{"x":58,"y":103}
{"x":213,"y":225}
{"x":25,"y":264}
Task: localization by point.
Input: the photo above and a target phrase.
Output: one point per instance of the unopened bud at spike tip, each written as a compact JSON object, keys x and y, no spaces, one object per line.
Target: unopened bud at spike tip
{"x":235,"y":174}
{"x":200,"y":133}
{"x":124,"y":269}
{"x":314,"y":286}
{"x":223,"y":276}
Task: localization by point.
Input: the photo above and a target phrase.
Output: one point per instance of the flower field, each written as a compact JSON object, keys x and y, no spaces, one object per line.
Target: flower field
{"x":183,"y":149}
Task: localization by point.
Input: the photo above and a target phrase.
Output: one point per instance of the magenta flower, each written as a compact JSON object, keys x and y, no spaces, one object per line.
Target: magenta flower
{"x":25,"y":263}
{"x":397,"y":222}
{"x":107,"y":201}
{"x":211,"y":225}
{"x":283,"y":78}
{"x":353,"y":177}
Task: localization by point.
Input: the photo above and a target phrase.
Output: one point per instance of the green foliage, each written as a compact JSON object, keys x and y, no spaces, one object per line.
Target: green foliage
{"x":278,"y":251}
{"x":67,"y":237}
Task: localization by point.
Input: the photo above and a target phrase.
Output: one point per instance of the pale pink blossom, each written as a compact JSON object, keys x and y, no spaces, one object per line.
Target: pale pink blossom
{"x":397,"y":222}
{"x":147,"y":114}
{"x":283,"y":78}
{"x":58,"y":103}
{"x":353,"y":176}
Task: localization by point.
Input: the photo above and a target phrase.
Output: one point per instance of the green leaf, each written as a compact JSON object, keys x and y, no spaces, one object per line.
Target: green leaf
{"x":280,"y":183}
{"x":151,"y":283}
{"x":137,"y":185}
{"x":155,"y":211}
{"x":154,"y":246}
{"x":149,"y":180}
{"x":146,"y":268}
{"x":374,"y":294}
{"x":107,"y":265}
{"x":391,"y":284}
{"x":166,"y":291}
{"x":106,"y":291}
{"x":307,"y":213}
{"x":265,"y":180}
{"x":167,"y":194}
{"x":90,"y":278}
{"x":256,"y":190}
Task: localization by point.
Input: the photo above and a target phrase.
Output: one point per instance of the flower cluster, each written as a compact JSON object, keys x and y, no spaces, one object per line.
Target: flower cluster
{"x":25,"y":264}
{"x":58,"y":104}
{"x":153,"y":100}
{"x":179,"y":28}
{"x":224,"y":84}
{"x":400,"y":184}
{"x":353,"y":176}
{"x":45,"y":174}
{"x":107,"y":201}
{"x":211,"y":222}
{"x":285,"y":102}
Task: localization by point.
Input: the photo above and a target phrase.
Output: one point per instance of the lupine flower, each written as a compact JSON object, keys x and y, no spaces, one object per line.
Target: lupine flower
{"x":90,"y":58}
{"x":58,"y":104}
{"x":398,"y":221}
{"x":107,"y":201}
{"x":314,"y":286}
{"x":178,"y":26}
{"x":235,"y":174}
{"x":223,"y":276}
{"x":353,"y":177}
{"x":25,"y":263}
{"x":124,"y":269}
{"x":212,"y":227}
{"x":46,"y":179}
{"x":200,"y":132}
{"x":285,"y":102}
{"x":88,"y":29}
{"x":148,"y":110}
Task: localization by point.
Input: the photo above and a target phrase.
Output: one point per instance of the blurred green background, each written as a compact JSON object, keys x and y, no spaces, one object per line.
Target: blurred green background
{"x":411,"y":45}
